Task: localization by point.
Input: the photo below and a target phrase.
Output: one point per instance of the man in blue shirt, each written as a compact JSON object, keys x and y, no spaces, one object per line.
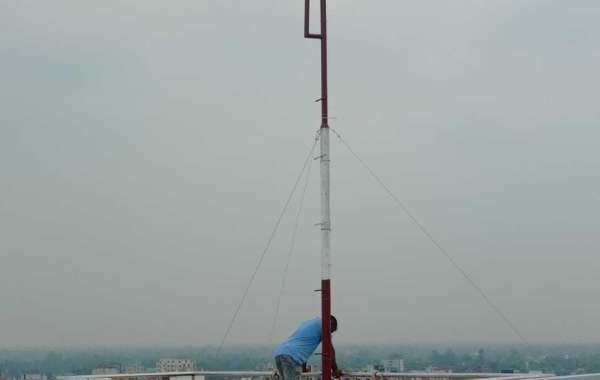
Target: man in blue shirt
{"x":295,"y":351}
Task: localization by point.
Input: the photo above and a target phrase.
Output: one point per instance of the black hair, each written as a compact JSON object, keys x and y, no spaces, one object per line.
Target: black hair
{"x":334,"y":323}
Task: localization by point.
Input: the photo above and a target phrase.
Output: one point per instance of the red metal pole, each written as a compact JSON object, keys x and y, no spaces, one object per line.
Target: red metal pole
{"x":327,"y":355}
{"x":326,"y":359}
{"x":324,"y":102}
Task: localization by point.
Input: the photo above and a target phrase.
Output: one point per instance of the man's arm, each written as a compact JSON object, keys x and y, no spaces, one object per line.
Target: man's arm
{"x":337,"y":373}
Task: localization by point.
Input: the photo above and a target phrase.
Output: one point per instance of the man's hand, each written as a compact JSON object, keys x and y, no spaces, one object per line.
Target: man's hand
{"x":337,"y":373}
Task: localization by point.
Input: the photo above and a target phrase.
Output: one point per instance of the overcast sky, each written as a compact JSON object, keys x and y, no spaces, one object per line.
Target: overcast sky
{"x":146,"y":148}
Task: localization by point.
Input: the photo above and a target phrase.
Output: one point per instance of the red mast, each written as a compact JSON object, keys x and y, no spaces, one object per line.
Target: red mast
{"x":327,"y":355}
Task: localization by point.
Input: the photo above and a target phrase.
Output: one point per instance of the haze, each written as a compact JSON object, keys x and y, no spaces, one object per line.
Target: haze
{"x":146,"y":148}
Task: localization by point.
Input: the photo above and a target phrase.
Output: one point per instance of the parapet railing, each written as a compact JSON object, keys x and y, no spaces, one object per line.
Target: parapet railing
{"x":272,"y":375}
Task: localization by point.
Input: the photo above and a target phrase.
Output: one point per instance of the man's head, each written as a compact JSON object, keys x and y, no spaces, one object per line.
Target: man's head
{"x":333,"y":324}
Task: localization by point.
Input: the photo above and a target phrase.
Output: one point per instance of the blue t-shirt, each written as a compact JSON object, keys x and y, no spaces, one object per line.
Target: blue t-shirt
{"x":303,"y":342}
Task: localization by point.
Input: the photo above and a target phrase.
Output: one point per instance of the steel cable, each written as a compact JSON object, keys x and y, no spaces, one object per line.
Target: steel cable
{"x":434,"y":241}
{"x":307,"y":160}
{"x":289,"y":256}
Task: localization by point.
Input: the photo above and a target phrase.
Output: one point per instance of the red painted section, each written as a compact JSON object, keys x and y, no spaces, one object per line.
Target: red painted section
{"x":307,"y":33}
{"x":326,"y":359}
{"x":323,"y":37}
{"x":324,"y":99}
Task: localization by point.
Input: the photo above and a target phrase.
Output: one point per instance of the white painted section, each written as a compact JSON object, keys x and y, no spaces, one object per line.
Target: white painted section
{"x":325,"y":208}
{"x":187,"y":377}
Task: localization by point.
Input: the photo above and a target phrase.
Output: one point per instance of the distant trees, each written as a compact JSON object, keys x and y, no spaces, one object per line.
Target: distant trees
{"x":552,"y":359}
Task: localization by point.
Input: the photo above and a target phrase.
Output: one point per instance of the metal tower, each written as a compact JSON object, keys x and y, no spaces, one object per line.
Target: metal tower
{"x":327,"y":354}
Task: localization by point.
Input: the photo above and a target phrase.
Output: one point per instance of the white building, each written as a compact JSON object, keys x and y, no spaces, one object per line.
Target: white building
{"x":35,"y":376}
{"x":133,"y":368}
{"x":393,"y":365}
{"x":175,"y":365}
{"x":106,"y":369}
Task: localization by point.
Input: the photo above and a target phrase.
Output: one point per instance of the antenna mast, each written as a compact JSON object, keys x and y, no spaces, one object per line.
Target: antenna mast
{"x":327,"y":354}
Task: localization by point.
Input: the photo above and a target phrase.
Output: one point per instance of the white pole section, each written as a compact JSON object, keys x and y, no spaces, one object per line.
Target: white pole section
{"x":325,"y":208}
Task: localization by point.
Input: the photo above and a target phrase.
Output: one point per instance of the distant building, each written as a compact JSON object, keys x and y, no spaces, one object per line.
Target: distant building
{"x":175,"y":365}
{"x":133,"y":368}
{"x":392,"y":365}
{"x":105,"y":369}
{"x":387,"y":365}
{"x":34,"y":376}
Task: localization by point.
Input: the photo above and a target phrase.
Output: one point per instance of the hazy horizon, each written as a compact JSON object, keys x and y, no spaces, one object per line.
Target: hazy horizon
{"x":458,"y":345}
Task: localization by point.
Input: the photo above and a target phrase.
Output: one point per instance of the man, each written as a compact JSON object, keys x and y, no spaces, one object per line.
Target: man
{"x":295,"y":351}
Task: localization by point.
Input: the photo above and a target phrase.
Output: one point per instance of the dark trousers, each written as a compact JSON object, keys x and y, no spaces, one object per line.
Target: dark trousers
{"x":287,"y":367}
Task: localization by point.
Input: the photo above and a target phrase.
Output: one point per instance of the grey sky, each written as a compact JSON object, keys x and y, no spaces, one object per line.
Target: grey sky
{"x":146,"y":148}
